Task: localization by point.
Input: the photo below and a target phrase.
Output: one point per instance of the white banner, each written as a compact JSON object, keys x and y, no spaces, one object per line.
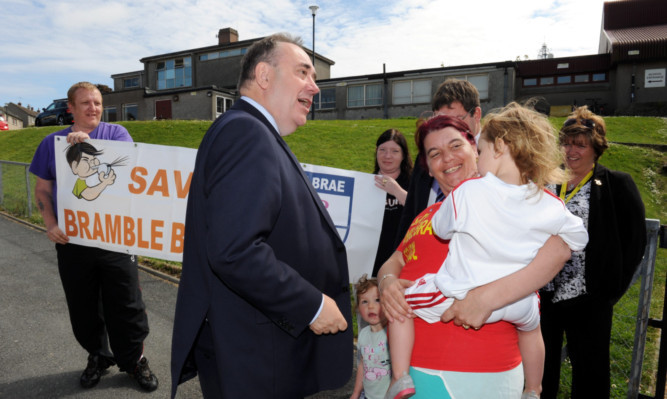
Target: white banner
{"x":132,"y":197}
{"x":356,"y":207}
{"x":125,"y":197}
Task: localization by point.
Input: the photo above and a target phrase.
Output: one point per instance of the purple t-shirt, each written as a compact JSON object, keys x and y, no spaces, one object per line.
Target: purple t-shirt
{"x":44,"y":162}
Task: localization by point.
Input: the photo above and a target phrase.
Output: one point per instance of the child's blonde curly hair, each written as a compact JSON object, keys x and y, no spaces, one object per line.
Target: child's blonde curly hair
{"x":531,"y":140}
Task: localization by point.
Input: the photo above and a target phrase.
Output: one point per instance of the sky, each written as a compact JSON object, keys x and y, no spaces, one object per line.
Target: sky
{"x":49,"y":45}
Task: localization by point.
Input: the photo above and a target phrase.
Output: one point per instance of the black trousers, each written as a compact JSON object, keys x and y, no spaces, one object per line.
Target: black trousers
{"x":104,"y":302}
{"x":586,"y":323}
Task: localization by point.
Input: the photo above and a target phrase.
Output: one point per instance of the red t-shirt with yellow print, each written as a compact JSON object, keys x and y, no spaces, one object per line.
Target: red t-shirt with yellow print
{"x":445,"y":346}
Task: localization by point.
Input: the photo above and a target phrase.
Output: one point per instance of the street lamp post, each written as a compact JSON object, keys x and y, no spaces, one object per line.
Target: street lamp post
{"x":313,"y":9}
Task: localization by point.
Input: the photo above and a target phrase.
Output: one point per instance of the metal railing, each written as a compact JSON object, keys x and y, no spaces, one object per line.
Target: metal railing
{"x":28,"y":186}
{"x":656,"y":239}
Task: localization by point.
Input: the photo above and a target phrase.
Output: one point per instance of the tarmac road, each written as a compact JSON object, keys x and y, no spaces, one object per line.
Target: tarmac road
{"x":39,"y":357}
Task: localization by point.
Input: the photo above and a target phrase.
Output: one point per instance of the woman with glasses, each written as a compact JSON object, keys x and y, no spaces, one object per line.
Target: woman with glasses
{"x":579,"y":301}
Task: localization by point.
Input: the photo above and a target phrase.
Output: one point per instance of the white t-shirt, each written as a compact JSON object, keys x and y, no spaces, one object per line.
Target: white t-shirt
{"x":496,"y":229}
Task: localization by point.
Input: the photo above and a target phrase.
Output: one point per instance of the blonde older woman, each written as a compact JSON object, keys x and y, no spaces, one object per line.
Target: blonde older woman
{"x":579,"y":301}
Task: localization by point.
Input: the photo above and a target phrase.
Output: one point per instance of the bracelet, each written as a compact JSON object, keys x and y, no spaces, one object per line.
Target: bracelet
{"x":384,"y":277}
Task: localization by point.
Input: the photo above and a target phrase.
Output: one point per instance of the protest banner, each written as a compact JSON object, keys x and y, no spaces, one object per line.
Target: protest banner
{"x":132,"y":197}
{"x":356,"y":207}
{"x":125,"y":197}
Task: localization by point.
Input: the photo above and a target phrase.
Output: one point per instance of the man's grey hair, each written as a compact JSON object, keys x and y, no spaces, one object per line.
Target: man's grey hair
{"x":263,"y":51}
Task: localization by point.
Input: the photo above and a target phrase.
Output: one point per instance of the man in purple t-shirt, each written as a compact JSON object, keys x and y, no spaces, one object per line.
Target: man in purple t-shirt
{"x":106,"y":310}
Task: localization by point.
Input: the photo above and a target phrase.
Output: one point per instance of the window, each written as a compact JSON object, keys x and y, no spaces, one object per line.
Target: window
{"x":481,"y":83}
{"x":130,"y":82}
{"x":223,"y":54}
{"x":561,"y":80}
{"x":411,"y":92}
{"x":599,"y":77}
{"x":581,"y":78}
{"x":530,"y":82}
{"x":174,"y":73}
{"x":325,"y":99}
{"x":364,"y":96}
{"x":110,"y":114}
{"x":130,"y":112}
{"x":222,"y":104}
{"x":546,"y":81}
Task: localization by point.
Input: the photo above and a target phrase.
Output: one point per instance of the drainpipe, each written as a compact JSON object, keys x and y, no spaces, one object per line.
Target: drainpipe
{"x":385,"y":92}
{"x":505,"y":88}
{"x":632,"y":83}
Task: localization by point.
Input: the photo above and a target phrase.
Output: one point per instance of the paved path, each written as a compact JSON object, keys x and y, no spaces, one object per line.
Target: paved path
{"x":39,"y":357}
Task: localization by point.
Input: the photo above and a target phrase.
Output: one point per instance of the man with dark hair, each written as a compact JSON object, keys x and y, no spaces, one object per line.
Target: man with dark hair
{"x":101,"y":287}
{"x":455,"y":98}
{"x":263,"y":304}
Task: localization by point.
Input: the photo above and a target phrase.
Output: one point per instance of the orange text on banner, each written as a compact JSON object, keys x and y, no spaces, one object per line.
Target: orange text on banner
{"x":123,"y":230}
{"x":159,"y":184}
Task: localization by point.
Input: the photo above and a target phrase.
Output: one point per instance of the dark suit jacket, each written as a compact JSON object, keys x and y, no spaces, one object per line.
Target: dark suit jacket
{"x":616,"y":233}
{"x":416,"y":201}
{"x":260,"y":249}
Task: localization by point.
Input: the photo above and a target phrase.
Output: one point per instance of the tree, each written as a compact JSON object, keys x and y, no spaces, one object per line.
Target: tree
{"x":103,"y":88}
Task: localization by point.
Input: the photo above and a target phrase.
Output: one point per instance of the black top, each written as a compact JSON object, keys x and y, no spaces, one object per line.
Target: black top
{"x":392,"y":217}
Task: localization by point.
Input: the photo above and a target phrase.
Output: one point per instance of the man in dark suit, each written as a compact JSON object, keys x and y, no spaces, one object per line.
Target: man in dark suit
{"x":263,"y":303}
{"x":455,"y":98}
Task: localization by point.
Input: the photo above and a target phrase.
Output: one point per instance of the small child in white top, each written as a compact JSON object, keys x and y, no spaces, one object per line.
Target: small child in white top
{"x":374,"y":366}
{"x":496,"y":224}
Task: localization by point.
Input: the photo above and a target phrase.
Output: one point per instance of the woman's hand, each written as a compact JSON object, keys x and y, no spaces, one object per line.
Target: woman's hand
{"x":469,"y":312}
{"x":480,"y":302}
{"x":391,"y":186}
{"x":392,"y":298}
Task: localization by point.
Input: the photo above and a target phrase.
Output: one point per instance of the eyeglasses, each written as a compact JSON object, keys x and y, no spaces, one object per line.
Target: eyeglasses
{"x":426,"y":115}
{"x":586,"y":122}
{"x":469,"y":113}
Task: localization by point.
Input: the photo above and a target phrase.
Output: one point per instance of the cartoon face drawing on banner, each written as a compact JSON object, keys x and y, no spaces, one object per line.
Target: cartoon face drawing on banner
{"x":336,"y":193}
{"x":93,"y":176}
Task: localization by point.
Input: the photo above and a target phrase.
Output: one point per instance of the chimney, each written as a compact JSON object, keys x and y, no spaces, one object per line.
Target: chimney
{"x":227,"y":35}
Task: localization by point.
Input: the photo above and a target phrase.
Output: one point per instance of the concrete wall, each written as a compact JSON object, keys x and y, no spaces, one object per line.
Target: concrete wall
{"x":118,"y":98}
{"x":647,"y":100}
{"x":500,"y":91}
{"x":601,"y":94}
{"x":221,"y":72}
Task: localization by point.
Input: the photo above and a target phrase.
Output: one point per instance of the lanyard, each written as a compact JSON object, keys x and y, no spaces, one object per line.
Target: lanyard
{"x":563,"y":187}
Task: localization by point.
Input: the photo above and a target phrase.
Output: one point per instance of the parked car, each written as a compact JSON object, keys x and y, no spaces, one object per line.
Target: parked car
{"x":57,"y":113}
{"x":3,"y":124}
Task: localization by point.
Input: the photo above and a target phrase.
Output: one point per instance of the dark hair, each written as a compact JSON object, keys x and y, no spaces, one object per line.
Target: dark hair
{"x":398,"y":138}
{"x":583,"y":122}
{"x":263,"y":51}
{"x":453,"y":90}
{"x":438,"y":123}
{"x":75,"y":152}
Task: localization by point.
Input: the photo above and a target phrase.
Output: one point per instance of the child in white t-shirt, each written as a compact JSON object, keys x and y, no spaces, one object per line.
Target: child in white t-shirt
{"x":496,"y":225}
